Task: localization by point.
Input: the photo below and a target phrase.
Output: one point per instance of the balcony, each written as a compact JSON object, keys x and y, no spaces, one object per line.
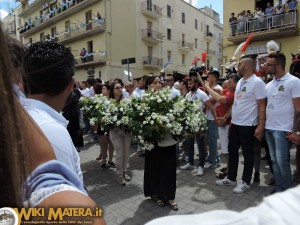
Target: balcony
{"x":208,"y":36}
{"x":151,"y":10}
{"x":27,"y":9}
{"x":211,"y":52}
{"x":185,"y":46}
{"x":89,"y":61}
{"x":220,"y":41}
{"x":266,"y":28}
{"x":38,"y":25}
{"x":151,"y":62}
{"x":151,"y":36}
{"x":78,"y":34}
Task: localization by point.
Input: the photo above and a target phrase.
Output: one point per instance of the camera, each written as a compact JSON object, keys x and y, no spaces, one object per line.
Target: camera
{"x":195,"y":69}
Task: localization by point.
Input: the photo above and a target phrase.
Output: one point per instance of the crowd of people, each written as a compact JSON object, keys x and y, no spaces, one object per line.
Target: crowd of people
{"x":283,"y":13}
{"x":242,"y":113}
{"x":50,"y":11}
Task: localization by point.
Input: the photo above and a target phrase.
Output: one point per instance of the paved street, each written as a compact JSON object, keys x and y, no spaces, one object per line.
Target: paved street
{"x":127,"y":205}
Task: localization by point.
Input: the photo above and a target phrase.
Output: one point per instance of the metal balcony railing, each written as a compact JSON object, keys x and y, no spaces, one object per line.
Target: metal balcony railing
{"x":289,"y":19}
{"x":151,"y":61}
{"x":151,"y":9}
{"x":186,"y":45}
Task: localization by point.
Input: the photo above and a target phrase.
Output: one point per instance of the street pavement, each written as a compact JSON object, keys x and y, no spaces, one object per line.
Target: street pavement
{"x":127,"y":205}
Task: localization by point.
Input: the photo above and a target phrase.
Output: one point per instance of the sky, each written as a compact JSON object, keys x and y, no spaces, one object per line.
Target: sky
{"x":6,"y":6}
{"x":217,"y":5}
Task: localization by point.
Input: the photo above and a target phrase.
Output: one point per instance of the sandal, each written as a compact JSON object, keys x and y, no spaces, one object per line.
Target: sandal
{"x":160,"y":203}
{"x":173,"y":205}
{"x":154,"y":198}
{"x":223,"y":169}
{"x":221,"y":175}
{"x":99,"y":158}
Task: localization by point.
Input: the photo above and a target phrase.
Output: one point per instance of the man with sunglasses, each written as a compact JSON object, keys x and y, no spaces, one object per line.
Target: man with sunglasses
{"x":283,"y":97}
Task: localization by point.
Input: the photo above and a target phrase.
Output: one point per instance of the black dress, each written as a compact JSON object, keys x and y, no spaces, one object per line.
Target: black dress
{"x":160,"y":173}
{"x":71,"y":113}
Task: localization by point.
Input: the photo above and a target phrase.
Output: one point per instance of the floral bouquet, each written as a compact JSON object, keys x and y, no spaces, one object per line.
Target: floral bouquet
{"x":114,"y":115}
{"x":107,"y":113}
{"x":156,"y":115}
{"x":187,"y":119}
{"x":92,"y":108}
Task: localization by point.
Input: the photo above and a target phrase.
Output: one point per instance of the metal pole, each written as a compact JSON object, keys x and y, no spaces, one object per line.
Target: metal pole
{"x":128,"y":69}
{"x":161,"y":59}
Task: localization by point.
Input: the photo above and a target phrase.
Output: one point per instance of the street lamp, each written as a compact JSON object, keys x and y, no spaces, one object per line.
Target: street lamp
{"x":161,"y":58}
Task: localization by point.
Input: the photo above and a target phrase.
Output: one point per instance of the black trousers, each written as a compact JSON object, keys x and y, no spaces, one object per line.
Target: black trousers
{"x":241,"y":136}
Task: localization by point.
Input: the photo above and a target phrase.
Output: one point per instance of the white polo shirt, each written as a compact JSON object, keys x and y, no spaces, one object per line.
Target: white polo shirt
{"x":174,"y":92}
{"x":209,"y":115}
{"x":280,"y":108}
{"x":245,"y":108}
{"x":200,"y":95}
{"x":54,"y":126}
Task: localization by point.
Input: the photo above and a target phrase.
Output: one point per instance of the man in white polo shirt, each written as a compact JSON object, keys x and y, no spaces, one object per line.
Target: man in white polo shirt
{"x":283,"y":95}
{"x":248,"y":122}
{"x":49,"y":78}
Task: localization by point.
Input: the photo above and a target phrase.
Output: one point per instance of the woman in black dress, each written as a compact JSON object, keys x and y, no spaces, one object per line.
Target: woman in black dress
{"x":160,"y":166}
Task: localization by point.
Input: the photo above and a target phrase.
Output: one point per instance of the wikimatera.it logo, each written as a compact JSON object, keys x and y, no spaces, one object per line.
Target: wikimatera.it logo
{"x":16,"y":216}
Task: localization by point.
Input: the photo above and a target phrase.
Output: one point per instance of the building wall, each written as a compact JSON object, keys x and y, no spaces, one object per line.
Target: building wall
{"x":288,"y":43}
{"x":122,"y":38}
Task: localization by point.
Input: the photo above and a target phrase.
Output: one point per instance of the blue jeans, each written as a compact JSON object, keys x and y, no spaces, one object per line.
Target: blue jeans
{"x":213,"y":135}
{"x":189,"y":146}
{"x":279,"y":147}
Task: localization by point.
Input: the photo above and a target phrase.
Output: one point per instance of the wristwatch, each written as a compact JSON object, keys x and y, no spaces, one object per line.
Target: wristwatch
{"x":297,"y":133}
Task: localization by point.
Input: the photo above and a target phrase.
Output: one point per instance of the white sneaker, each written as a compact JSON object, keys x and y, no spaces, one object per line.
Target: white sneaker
{"x":210,"y":166}
{"x":187,"y":167}
{"x":200,"y":171}
{"x":242,"y":187}
{"x":225,"y":182}
{"x":126,"y":176}
{"x":121,"y":180}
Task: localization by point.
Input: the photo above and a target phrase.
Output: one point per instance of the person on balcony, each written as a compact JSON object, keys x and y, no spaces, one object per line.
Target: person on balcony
{"x":242,"y":19}
{"x":269,"y":13}
{"x":258,"y":17}
{"x":233,"y":24}
{"x":278,"y":13}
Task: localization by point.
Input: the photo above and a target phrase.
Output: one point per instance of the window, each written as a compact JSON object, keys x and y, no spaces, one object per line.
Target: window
{"x":220,"y":50}
{"x":183,"y":17}
{"x":30,"y":40}
{"x":183,"y":59}
{"x":88,"y":18}
{"x":53,"y":33}
{"x":90,"y":49}
{"x":169,"y":34}
{"x":42,"y":37}
{"x":169,"y":56}
{"x":149,"y":29}
{"x":196,"y":43}
{"x":169,"y":13}
{"x":196,"y":24}
{"x":201,"y":27}
{"x":207,"y":63}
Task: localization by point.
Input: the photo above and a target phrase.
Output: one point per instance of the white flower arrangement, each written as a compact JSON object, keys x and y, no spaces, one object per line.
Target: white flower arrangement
{"x":156,"y":115}
{"x":150,"y":118}
{"x":99,"y":110}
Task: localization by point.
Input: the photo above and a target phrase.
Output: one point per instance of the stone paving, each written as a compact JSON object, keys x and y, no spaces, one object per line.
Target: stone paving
{"x":127,"y":205}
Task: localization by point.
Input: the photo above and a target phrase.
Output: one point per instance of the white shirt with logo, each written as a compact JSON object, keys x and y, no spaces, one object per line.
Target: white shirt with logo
{"x":200,"y":95}
{"x":245,"y":107}
{"x":209,"y":115}
{"x":280,"y":108}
